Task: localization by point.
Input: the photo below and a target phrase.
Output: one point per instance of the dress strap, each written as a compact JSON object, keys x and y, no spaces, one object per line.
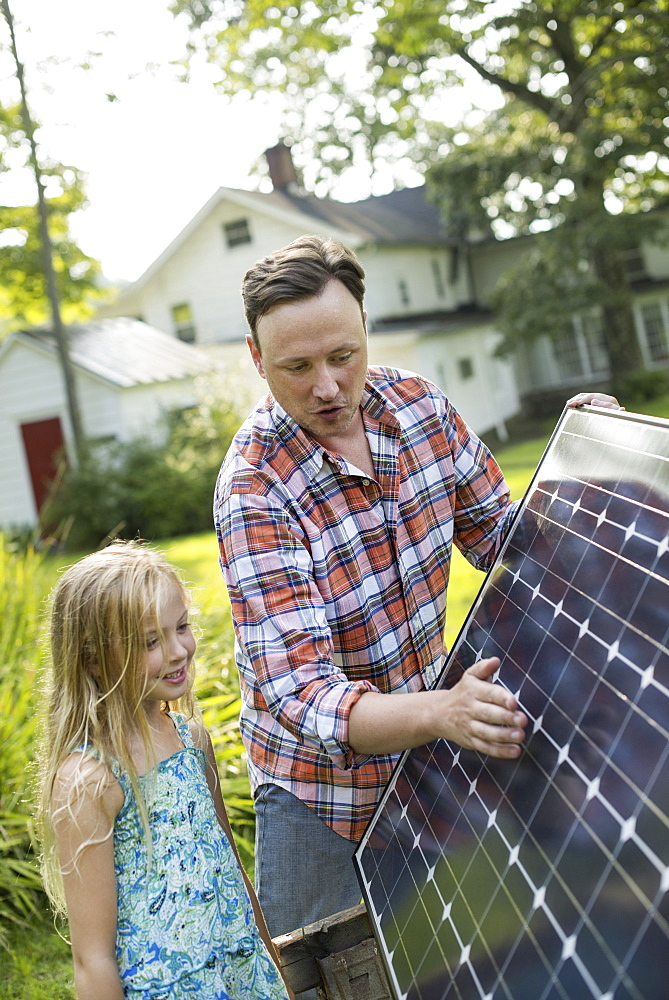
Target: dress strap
{"x":88,"y":751}
{"x":182,"y":728}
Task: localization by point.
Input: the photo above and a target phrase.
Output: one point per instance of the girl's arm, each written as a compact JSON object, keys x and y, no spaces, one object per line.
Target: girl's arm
{"x":203,"y":739}
{"x":84,"y":824}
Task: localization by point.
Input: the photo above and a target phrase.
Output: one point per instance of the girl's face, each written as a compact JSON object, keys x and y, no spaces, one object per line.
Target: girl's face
{"x":167,"y":663}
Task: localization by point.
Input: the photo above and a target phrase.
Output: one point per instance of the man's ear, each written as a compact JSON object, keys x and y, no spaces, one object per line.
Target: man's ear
{"x":256,"y":356}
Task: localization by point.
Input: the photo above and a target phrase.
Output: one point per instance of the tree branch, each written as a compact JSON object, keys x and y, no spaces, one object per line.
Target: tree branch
{"x":534,"y":98}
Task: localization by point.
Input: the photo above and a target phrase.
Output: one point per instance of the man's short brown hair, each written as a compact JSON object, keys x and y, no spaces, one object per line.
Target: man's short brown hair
{"x":300,"y":270}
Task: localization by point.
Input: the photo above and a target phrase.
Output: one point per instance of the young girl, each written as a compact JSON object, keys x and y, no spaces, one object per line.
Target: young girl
{"x":137,"y":846}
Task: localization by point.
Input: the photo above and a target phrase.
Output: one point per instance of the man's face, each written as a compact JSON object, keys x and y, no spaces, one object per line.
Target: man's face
{"x":313,"y":354}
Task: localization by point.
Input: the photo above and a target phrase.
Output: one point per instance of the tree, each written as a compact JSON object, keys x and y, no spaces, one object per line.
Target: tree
{"x":23,"y":291}
{"x":45,"y":243}
{"x":581,"y":135}
{"x":577,"y":144}
{"x":24,"y":294}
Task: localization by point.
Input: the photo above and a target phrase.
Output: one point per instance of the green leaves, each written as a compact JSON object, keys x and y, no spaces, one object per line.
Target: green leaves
{"x":149,"y":487}
{"x":20,"y":591}
{"x":23,"y":292}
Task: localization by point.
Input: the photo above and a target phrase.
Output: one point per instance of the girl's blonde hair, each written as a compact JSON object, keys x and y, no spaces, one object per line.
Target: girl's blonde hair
{"x":96,"y":683}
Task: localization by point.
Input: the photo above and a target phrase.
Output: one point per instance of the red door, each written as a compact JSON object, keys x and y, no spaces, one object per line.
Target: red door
{"x":43,"y":442}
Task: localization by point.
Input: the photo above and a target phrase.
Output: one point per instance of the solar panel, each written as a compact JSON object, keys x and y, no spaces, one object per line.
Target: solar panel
{"x":546,"y":878}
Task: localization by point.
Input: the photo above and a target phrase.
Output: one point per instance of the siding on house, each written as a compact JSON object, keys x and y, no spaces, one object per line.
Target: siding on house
{"x":30,"y":389}
{"x":138,"y":374}
{"x":462,"y":363}
{"x":423,"y":287}
{"x":412,"y":272}
{"x":387,"y":267}
{"x":208,"y":275}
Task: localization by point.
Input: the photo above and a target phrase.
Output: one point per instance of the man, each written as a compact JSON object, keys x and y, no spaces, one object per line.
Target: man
{"x":336,"y":509}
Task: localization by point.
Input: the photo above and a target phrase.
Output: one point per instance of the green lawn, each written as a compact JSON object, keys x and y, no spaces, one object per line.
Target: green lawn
{"x":518,"y":463}
{"x":38,"y":965}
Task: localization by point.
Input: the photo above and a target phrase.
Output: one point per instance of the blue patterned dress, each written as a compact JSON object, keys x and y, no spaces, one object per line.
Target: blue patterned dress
{"x":186,"y":929}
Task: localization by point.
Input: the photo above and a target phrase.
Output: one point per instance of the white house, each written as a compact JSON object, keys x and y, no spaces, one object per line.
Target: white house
{"x":418,"y":298}
{"x":579,"y":358}
{"x":127,"y":376}
{"x":427,"y":293}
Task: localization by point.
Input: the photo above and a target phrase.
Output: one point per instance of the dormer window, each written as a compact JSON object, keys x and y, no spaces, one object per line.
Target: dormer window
{"x":237,"y":233}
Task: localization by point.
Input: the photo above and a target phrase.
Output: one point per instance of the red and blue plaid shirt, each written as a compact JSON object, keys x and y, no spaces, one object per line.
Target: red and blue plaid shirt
{"x":338,"y":582}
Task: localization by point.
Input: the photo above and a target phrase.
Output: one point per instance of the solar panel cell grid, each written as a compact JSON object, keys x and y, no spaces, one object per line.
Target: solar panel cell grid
{"x":547,"y":878}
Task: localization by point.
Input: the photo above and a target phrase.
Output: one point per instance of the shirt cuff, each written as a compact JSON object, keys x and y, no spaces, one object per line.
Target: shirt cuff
{"x":331,"y":711}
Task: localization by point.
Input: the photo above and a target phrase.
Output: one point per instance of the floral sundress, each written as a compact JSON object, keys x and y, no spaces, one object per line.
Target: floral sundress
{"x":186,"y":927}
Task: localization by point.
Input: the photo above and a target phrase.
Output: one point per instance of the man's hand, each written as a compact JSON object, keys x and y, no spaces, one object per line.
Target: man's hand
{"x":484,"y":716}
{"x":595,"y":399}
{"x":474,"y":713}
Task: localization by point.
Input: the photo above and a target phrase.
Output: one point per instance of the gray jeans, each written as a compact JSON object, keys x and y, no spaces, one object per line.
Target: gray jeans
{"x":303,"y":869}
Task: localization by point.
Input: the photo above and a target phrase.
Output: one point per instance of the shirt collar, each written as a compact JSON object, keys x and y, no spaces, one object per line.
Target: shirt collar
{"x":308,"y":453}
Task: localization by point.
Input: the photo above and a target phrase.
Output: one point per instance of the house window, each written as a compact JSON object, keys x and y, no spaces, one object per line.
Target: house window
{"x":568,"y":355}
{"x":581,"y":351}
{"x":403,"y":289}
{"x":182,"y":319}
{"x":592,"y":327}
{"x":634,"y":264}
{"x":655,"y":330}
{"x":237,"y":233}
{"x":454,"y":269}
{"x":465,"y":368}
{"x":438,"y":279}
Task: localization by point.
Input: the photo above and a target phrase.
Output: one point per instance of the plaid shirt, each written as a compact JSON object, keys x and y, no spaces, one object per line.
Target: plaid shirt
{"x":338,"y":582}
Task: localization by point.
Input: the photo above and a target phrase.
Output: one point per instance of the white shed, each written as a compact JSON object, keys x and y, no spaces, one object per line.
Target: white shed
{"x":127,"y":375}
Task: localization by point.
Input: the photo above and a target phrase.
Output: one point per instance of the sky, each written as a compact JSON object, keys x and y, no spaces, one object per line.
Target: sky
{"x":155,"y":154}
{"x":152,"y":157}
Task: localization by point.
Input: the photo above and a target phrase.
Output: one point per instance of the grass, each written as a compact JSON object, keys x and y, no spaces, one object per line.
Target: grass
{"x":518,"y":463}
{"x":38,"y":964}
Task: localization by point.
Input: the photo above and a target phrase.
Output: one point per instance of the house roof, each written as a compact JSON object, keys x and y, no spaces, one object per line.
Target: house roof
{"x":404,"y":216}
{"x":126,"y":352}
{"x":401,"y":217}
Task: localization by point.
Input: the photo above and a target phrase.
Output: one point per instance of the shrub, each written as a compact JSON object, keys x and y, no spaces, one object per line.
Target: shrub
{"x":219,"y":698}
{"x":147,"y":488}
{"x":642,"y":387}
{"x":20,"y":596}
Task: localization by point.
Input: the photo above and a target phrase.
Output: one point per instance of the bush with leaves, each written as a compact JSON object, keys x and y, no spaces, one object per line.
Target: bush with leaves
{"x":219,"y":699}
{"x":642,"y":387}
{"x":20,"y":595}
{"x":147,"y":488}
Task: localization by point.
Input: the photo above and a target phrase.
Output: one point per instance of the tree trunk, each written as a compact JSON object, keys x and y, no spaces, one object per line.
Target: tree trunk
{"x":620,"y":333}
{"x":62,"y":340}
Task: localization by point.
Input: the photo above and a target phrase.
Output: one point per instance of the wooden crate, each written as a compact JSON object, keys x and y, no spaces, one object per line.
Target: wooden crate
{"x":337,"y":957}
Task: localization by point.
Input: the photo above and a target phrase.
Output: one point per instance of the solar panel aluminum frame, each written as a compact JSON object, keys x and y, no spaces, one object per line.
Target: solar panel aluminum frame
{"x":461,"y":845}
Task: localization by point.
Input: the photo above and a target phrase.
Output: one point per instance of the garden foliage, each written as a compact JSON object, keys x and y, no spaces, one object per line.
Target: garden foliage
{"x":19,"y":656}
{"x":151,"y":487}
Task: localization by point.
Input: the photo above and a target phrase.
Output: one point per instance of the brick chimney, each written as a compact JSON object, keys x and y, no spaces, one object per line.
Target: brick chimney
{"x":281,"y":169}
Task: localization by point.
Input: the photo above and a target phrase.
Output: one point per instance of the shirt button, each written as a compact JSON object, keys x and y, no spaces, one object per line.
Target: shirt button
{"x":365,"y":482}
